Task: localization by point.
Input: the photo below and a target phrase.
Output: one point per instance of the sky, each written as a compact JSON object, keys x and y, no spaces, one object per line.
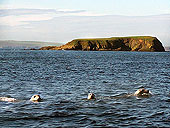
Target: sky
{"x":64,"y":20}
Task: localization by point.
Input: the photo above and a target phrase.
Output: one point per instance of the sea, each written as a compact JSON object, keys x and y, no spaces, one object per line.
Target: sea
{"x":63,"y":79}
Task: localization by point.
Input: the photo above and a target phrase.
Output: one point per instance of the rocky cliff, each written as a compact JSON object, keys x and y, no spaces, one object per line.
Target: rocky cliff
{"x":138,"y":43}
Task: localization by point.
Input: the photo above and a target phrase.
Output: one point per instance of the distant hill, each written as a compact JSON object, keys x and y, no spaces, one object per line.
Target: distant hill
{"x":25,"y":44}
{"x":136,"y":43}
{"x":167,"y":48}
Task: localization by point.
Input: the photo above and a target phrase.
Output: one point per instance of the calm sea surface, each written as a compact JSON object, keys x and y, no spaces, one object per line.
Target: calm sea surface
{"x":64,"y":78}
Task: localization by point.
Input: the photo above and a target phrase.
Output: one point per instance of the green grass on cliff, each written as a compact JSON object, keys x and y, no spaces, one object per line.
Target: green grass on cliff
{"x":116,"y":38}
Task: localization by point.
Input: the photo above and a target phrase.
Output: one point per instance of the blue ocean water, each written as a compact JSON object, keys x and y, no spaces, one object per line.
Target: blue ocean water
{"x":64,"y":78}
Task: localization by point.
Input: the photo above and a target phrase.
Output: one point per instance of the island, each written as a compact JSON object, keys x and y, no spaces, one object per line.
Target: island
{"x":135,"y":43}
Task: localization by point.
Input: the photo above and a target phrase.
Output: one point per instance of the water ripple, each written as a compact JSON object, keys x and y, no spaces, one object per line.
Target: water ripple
{"x":64,"y":78}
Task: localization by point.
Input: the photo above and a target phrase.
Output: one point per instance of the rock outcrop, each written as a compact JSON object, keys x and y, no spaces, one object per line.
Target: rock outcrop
{"x":137,"y":43}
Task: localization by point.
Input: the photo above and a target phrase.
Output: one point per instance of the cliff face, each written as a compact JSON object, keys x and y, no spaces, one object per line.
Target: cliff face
{"x":139,"y":43}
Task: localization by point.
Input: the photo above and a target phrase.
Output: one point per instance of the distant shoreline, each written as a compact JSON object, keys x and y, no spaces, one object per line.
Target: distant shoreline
{"x":14,"y":44}
{"x":38,"y":45}
{"x":134,"y":43}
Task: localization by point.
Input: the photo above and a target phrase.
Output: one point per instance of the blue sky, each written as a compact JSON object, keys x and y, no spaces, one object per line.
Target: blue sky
{"x":64,"y":20}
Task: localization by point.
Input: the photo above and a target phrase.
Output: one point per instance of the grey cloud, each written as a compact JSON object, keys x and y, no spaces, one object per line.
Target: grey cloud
{"x":66,"y":28}
{"x":16,"y":12}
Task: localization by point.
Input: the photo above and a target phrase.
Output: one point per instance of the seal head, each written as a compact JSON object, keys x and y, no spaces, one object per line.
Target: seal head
{"x":36,"y":98}
{"x":91,"y":96}
{"x":142,"y":92}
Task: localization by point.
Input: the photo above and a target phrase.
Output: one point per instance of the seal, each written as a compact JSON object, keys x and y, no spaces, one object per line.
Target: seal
{"x":34,"y":98}
{"x":91,"y":96}
{"x":142,"y":92}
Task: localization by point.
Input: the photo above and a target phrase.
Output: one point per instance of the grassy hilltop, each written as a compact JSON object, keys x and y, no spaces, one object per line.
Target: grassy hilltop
{"x":134,"y":43}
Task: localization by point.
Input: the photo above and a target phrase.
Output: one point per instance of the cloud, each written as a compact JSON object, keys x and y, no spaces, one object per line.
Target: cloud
{"x":15,"y":17}
{"x":65,"y":25}
{"x":24,"y":19}
{"x":17,"y":12}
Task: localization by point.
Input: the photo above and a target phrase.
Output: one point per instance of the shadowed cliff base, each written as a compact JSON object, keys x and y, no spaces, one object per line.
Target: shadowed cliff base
{"x":136,"y":43}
